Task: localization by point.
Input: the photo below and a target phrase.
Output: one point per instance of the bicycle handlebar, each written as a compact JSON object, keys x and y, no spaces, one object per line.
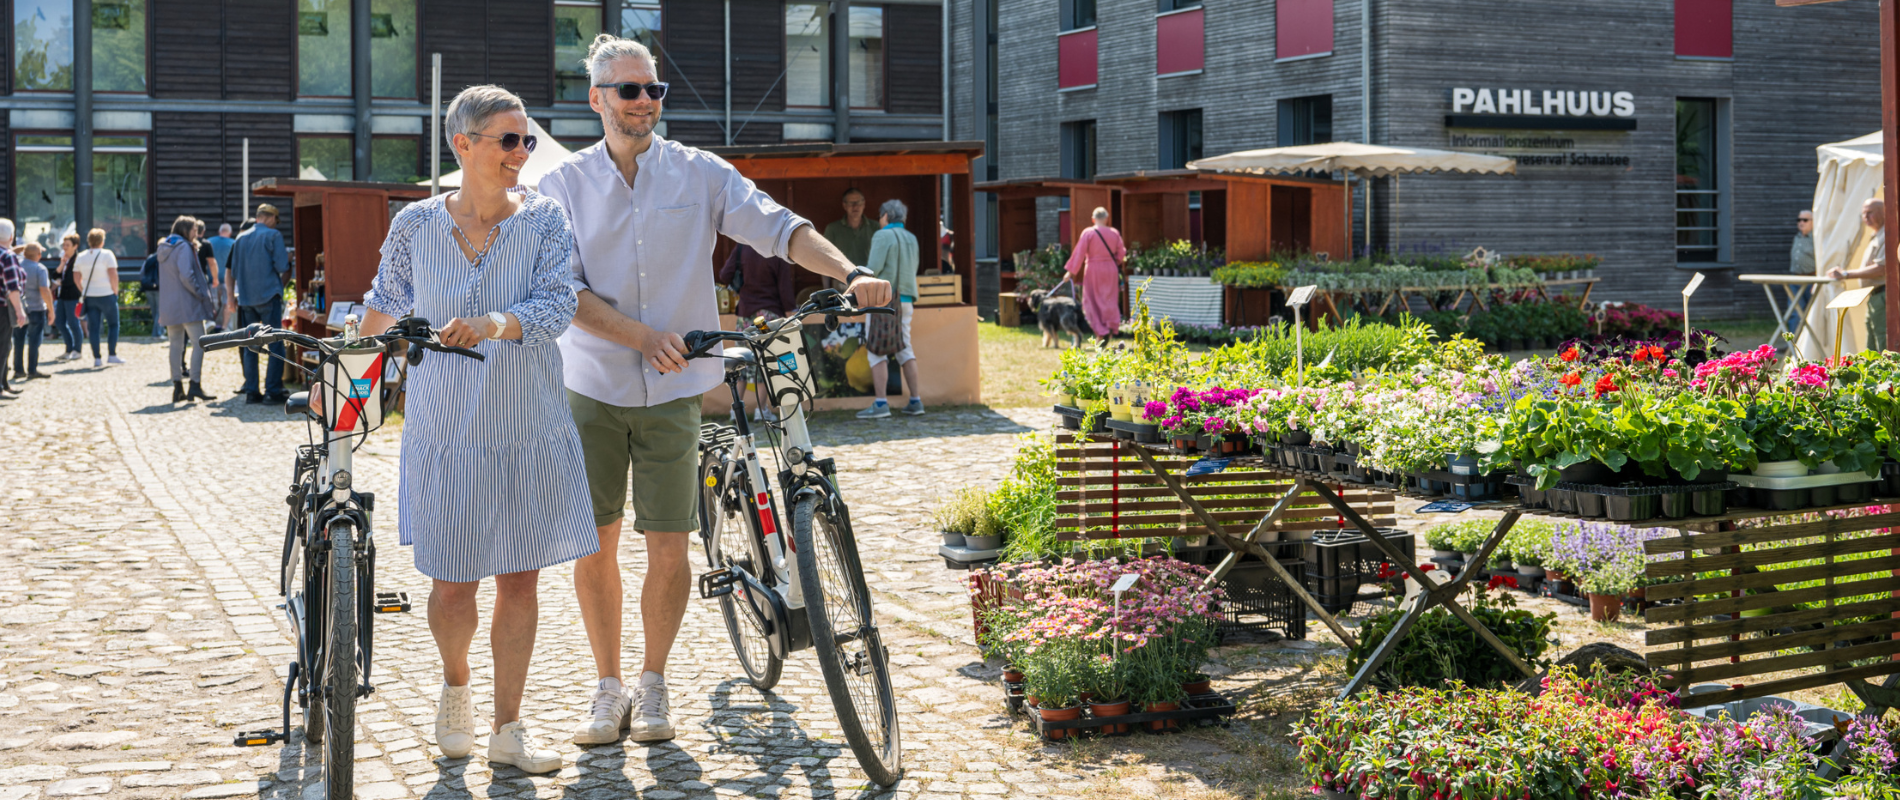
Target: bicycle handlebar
{"x":414,"y":330}
{"x":828,"y":302}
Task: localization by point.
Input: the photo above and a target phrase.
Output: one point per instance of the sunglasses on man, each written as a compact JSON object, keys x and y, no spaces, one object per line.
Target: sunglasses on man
{"x":510,"y":140}
{"x":631,"y":91}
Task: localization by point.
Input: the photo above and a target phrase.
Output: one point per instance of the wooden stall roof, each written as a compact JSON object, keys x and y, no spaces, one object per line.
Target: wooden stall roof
{"x":1036,"y":187}
{"x":827,"y":160}
{"x":1182,"y":180}
{"x":288,"y":187}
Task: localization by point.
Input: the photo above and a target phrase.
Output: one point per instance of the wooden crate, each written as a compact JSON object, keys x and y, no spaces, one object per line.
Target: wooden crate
{"x":939,"y":290}
{"x":1105,"y":492}
{"x":1799,"y":605}
{"x":1008,"y":313}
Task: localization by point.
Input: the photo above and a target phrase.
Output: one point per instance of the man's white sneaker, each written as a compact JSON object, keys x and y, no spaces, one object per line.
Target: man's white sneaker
{"x":98,"y":362}
{"x":652,"y":714}
{"x":608,"y":717}
{"x":515,"y":744}
{"x":114,"y":360}
{"x":455,"y":721}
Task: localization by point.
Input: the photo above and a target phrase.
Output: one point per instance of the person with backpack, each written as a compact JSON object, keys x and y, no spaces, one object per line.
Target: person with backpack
{"x":188,"y":300}
{"x":1096,"y":266}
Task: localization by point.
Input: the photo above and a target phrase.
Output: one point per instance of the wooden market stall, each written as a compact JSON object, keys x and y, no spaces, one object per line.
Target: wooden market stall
{"x":337,"y":231}
{"x":1247,"y":216}
{"x":1016,"y":227}
{"x":811,"y":179}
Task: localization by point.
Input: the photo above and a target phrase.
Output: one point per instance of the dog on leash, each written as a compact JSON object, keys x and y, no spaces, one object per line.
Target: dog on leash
{"x":1056,"y":315}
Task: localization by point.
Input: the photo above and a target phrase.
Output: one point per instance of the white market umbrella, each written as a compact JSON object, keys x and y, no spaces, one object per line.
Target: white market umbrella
{"x":1363,"y":160}
{"x":1849,"y":174}
{"x":547,"y":155}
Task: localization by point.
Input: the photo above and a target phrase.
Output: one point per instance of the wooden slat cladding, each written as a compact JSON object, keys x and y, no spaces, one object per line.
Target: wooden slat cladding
{"x":188,"y":177}
{"x":520,"y":51}
{"x":273,"y":153}
{"x":259,"y":45}
{"x":458,"y":29}
{"x":693,"y":59}
{"x":913,"y":52}
{"x":758,"y":61}
{"x":6,"y":165}
{"x":6,"y":76}
{"x":187,"y":52}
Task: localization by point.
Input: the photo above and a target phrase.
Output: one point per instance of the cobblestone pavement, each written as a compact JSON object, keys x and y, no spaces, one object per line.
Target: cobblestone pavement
{"x":138,"y":630}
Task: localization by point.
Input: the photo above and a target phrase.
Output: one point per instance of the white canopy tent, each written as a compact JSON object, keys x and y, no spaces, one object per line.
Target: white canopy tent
{"x":1850,"y":174}
{"x":547,"y":155}
{"x":1363,"y":160}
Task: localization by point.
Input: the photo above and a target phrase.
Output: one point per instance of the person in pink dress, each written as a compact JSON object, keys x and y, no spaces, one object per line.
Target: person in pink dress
{"x":1096,"y":267}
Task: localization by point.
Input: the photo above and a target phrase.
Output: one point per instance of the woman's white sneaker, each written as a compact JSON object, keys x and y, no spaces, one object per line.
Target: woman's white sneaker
{"x":516,"y":745}
{"x":609,"y":715}
{"x":455,"y":721}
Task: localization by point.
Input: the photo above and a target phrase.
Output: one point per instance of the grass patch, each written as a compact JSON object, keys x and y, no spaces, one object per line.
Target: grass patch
{"x":1013,"y":360}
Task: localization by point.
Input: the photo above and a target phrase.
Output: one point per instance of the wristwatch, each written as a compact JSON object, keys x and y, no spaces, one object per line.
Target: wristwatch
{"x":501,"y":323}
{"x":856,"y":273}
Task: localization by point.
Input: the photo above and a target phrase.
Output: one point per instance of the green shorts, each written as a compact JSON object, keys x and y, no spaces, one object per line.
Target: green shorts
{"x":661,"y":445}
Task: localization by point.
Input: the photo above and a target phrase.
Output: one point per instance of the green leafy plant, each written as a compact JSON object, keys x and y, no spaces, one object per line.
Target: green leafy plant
{"x":1251,"y":274}
{"x":1443,"y":648}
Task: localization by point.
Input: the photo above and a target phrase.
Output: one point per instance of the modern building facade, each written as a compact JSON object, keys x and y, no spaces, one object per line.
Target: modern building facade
{"x":1667,"y":136}
{"x":175,"y":93}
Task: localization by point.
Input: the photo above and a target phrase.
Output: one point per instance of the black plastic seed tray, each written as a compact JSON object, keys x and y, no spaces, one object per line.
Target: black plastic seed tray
{"x":1071,"y":418}
{"x":1202,"y":709}
{"x":1135,"y":431}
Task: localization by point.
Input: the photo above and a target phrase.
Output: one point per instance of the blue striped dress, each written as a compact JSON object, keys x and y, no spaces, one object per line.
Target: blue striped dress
{"x":492,"y":477}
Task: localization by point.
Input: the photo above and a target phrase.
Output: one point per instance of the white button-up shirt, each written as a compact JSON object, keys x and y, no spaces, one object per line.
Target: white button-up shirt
{"x":682,"y":196}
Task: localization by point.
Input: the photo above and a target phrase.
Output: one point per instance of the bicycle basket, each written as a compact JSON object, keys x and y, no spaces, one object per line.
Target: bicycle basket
{"x":351,"y":381}
{"x":787,"y":368}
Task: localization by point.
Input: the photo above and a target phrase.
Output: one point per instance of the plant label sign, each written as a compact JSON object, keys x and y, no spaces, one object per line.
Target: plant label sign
{"x":1301,"y":296}
{"x":1125,"y":582}
{"x":1852,"y":297}
{"x":1208,"y":466}
{"x":1694,"y":284}
{"x":1443,"y":507}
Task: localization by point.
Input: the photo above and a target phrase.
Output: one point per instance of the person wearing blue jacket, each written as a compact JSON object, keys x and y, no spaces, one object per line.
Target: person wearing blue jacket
{"x":254,"y":280}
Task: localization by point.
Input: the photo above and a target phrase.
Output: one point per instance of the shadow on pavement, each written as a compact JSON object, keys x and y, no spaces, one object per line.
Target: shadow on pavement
{"x":835,"y":428}
{"x":736,"y":720}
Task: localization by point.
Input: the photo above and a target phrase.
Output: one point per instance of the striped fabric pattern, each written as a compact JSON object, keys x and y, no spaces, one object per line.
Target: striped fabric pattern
{"x":492,"y":477}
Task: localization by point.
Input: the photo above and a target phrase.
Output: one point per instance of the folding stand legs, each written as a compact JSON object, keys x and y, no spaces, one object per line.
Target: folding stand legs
{"x":1429,"y":596}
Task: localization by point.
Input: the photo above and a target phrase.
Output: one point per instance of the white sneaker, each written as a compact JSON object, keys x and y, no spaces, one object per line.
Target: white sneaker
{"x":609,"y":716}
{"x":114,"y":360}
{"x":516,"y":745}
{"x":653,"y":718}
{"x":455,"y":721}
{"x":98,"y":362}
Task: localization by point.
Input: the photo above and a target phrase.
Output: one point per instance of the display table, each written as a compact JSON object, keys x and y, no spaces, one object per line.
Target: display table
{"x":943,"y":337}
{"x":1798,"y":291}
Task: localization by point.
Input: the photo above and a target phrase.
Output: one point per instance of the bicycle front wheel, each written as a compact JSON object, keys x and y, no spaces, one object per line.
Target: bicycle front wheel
{"x":850,"y":652}
{"x":730,"y":543}
{"x":339,"y":680}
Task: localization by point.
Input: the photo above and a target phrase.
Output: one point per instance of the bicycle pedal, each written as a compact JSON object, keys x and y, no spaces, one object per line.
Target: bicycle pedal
{"x":718,"y":583}
{"x":391,"y":603}
{"x":257,"y":739}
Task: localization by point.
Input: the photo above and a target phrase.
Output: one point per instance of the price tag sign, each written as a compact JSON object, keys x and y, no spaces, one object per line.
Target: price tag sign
{"x":1208,"y":466}
{"x":1301,"y":296}
{"x":1444,"y":507}
{"x":1694,"y":284}
{"x":1125,"y":582}
{"x":1852,"y":297}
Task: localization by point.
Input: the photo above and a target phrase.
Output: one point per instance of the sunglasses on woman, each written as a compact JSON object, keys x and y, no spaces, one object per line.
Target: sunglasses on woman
{"x":509,"y":140}
{"x":631,"y":91}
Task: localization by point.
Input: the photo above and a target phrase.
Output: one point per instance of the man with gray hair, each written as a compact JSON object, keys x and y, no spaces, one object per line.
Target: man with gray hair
{"x":894,"y":258}
{"x":13,"y":283}
{"x":634,"y":397}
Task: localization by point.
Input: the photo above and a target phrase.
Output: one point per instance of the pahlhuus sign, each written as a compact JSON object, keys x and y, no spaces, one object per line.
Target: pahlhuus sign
{"x":1541,"y":109}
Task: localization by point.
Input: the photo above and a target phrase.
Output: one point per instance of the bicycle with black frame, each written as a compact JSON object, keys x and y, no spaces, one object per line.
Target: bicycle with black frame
{"x":328,"y":573}
{"x":783,"y":588}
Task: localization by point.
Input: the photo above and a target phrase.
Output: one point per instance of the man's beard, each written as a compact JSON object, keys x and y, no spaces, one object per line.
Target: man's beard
{"x":626,"y":127}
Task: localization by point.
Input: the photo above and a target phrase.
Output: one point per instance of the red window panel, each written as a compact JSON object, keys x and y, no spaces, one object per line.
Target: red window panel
{"x":1180,"y":45}
{"x":1705,"y":28}
{"x":1303,"y":28}
{"x":1075,"y":59}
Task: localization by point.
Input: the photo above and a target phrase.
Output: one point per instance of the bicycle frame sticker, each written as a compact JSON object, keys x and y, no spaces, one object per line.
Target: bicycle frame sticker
{"x":350,"y":379}
{"x":787,"y":368}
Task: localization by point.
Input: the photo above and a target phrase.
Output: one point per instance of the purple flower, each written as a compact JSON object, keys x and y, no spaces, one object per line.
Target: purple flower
{"x":1214,"y":424}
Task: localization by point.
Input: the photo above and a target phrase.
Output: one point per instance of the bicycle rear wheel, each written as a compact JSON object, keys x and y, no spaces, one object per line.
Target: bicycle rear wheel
{"x":339,"y":681}
{"x":741,"y":549}
{"x":850,"y":652}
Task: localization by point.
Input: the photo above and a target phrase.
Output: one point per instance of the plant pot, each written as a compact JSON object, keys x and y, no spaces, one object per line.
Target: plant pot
{"x":1297,"y":438}
{"x":1467,"y":557}
{"x":1709,"y":502}
{"x":1445,"y":554}
{"x":1588,"y":505}
{"x":1853,"y":492}
{"x":1064,"y":714}
{"x":1676,"y":505}
{"x":1012,"y":675}
{"x":1530,"y":571}
{"x":952,"y":539}
{"x":1823,"y":495}
{"x":1605,"y":607}
{"x":1503,"y":566}
{"x":1827,"y":467}
{"x":1555,"y":575}
{"x":983,"y":542}
{"x":1111,"y":710}
{"x":1627,"y":507}
{"x":1185,"y":445}
{"x":1163,"y":725}
{"x":1462,"y":466}
{"x":1792,"y":468}
{"x":1199,"y":687}
{"x":1592,"y":472}
{"x":1889,"y":479}
{"x":1639,"y":593}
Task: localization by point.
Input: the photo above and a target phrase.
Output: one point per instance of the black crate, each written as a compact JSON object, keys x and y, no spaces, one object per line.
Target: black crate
{"x":1257,"y":600}
{"x":1339,"y":562}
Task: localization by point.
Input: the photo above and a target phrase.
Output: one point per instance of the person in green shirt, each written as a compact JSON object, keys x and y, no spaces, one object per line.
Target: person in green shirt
{"x":852,"y":235}
{"x":894,"y":258}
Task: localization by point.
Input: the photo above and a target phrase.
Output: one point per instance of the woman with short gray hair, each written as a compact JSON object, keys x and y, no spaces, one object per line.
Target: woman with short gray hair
{"x":492,"y":481}
{"x":894,"y":258}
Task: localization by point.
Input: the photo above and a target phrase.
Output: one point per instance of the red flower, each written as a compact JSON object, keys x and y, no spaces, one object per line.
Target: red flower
{"x":1501,"y":580}
{"x":1571,"y":354}
{"x":1647,"y":353}
{"x":1605,"y":386}
{"x":1571,"y":380}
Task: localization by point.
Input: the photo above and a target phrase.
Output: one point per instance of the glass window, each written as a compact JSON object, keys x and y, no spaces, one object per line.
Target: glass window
{"x":1180,"y":138}
{"x":1177,"y":5}
{"x":1699,"y":217}
{"x":641,"y":23}
{"x":323,"y":48}
{"x":1078,"y":149}
{"x":867,"y":57}
{"x":575,"y":26}
{"x":394,"y":160}
{"x":43,"y":45}
{"x":325,"y":158}
{"x":1306,"y":120}
{"x":43,"y":184}
{"x":120,"y":198}
{"x":807,"y":55}
{"x":118,"y":46}
{"x":1077,"y":14}
{"x":43,"y":188}
{"x":392,"y":48}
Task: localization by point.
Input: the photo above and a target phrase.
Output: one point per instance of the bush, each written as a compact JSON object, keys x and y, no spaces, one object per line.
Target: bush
{"x":1443,"y":648}
{"x":964,"y":511}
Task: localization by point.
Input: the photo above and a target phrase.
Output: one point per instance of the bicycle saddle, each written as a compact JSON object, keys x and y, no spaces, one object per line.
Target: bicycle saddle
{"x":739,"y":358}
{"x":298,"y":403}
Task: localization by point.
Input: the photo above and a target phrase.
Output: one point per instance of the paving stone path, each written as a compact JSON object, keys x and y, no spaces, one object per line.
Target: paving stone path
{"x":138,"y":629}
